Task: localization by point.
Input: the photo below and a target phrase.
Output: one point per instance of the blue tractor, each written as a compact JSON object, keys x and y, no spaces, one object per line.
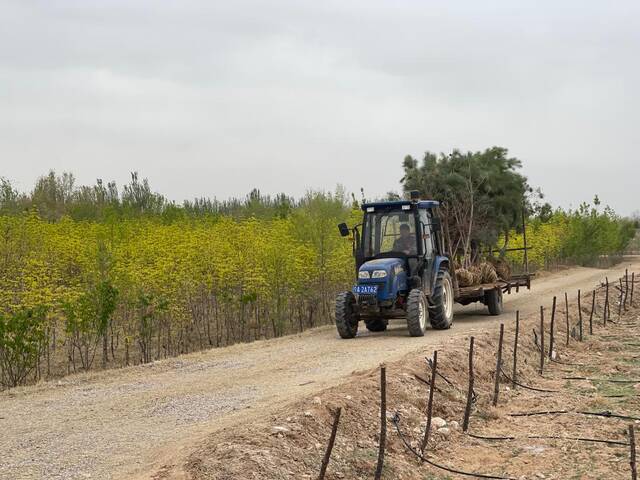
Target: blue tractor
{"x":403,"y":269}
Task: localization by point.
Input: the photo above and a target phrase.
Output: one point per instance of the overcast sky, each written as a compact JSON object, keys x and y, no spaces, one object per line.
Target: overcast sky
{"x":213,"y":98}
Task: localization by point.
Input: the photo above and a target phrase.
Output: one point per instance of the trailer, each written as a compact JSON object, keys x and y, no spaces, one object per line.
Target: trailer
{"x":491,"y":294}
{"x":404,"y":270}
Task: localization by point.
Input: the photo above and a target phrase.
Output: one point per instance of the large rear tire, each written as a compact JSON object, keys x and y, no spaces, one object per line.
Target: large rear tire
{"x":417,"y":313}
{"x":346,"y":318}
{"x":376,"y":324}
{"x":441,"y":302}
{"x":493,"y":300}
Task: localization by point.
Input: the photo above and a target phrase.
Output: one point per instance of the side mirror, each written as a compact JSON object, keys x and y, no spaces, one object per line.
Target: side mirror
{"x":344,"y":230}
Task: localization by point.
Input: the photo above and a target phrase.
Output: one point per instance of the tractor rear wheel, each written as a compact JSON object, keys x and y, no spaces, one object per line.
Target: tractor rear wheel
{"x":493,"y":300}
{"x":416,"y":313}
{"x":376,"y":324}
{"x":441,"y":302}
{"x":346,"y":318}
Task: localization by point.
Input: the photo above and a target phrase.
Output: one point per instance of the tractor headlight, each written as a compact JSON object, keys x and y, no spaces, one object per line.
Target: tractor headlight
{"x":379,"y":274}
{"x":363,"y":274}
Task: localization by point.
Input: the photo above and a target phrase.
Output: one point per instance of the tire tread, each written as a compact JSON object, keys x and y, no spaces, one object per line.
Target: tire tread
{"x":437,"y":316}
{"x":345,"y":324}
{"x":493,"y":299}
{"x":413,"y":312}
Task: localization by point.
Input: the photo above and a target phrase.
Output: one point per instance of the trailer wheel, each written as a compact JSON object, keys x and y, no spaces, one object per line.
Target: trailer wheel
{"x":441,"y":302}
{"x":493,"y":300}
{"x":416,"y":313}
{"x":346,"y":318}
{"x":376,"y":324}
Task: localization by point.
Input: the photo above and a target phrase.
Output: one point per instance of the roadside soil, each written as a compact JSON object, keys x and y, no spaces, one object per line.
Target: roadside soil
{"x":568,"y":431}
{"x":147,"y":421}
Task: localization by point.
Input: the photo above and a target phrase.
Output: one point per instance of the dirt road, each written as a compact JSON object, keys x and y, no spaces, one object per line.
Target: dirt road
{"x":125,"y":423}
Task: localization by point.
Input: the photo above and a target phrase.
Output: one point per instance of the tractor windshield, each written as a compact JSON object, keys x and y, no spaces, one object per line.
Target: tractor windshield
{"x":389,"y":231}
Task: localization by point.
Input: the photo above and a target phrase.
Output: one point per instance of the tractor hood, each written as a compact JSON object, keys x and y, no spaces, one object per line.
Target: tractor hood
{"x":387,"y":274}
{"x":389,"y":265}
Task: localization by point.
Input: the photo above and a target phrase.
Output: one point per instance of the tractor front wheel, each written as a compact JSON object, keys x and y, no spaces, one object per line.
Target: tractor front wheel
{"x":376,"y":324}
{"x":346,"y":317}
{"x":416,"y":313}
{"x":441,"y":304}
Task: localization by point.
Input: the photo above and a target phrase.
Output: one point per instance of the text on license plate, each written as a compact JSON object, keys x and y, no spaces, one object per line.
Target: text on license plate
{"x":365,"y":289}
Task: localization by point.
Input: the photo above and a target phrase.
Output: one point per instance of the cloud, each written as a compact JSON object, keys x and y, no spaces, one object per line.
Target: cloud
{"x":214,"y":98}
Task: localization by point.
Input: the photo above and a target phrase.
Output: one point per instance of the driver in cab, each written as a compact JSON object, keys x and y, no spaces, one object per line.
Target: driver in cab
{"x":406,"y":243}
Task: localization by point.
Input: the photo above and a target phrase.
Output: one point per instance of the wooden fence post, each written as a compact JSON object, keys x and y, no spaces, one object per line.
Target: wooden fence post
{"x":552,"y":329}
{"x":606,"y":303}
{"x":632,"y":461}
{"x":496,"y":387}
{"x":579,"y":318}
{"x":593,"y":307}
{"x":633,"y":283}
{"x":383,"y":421}
{"x":621,"y":299}
{"x":332,"y":440}
{"x":566,"y":310}
{"x":515,"y":350}
{"x":626,"y":287}
{"x":432,"y":387}
{"x":467,"y":410}
{"x":541,"y":340}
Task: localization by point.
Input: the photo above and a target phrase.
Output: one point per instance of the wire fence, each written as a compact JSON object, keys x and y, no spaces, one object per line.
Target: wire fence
{"x":618,"y":299}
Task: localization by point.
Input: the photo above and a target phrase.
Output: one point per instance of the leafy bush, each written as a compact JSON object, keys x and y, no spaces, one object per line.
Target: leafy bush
{"x":146,"y":288}
{"x":22,"y":335}
{"x":87,"y":321}
{"x":579,"y":236}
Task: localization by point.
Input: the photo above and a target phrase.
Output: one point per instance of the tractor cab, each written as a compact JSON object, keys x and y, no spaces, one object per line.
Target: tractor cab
{"x":398,"y":254}
{"x":404,"y":231}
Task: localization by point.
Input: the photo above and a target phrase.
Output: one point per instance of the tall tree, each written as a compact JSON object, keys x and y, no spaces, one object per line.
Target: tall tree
{"x":482,"y":193}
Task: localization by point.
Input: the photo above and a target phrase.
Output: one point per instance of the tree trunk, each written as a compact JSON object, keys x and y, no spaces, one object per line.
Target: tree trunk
{"x":105,"y":349}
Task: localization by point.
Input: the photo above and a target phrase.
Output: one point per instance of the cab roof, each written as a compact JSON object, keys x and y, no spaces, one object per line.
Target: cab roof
{"x":399,"y":203}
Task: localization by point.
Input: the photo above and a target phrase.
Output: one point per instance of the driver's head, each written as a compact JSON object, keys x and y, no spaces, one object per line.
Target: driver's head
{"x":405,"y":231}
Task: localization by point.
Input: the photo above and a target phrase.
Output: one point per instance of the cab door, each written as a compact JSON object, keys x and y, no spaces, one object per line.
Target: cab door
{"x":427,"y":246}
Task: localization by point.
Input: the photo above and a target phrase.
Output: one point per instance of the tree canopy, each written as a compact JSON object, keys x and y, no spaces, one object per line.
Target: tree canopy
{"x":482,"y":193}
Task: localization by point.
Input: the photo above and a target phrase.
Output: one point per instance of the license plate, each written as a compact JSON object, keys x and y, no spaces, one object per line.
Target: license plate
{"x":365,"y":289}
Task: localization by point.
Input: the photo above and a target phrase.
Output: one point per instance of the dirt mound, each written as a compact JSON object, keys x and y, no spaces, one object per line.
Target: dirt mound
{"x":291,"y":443}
